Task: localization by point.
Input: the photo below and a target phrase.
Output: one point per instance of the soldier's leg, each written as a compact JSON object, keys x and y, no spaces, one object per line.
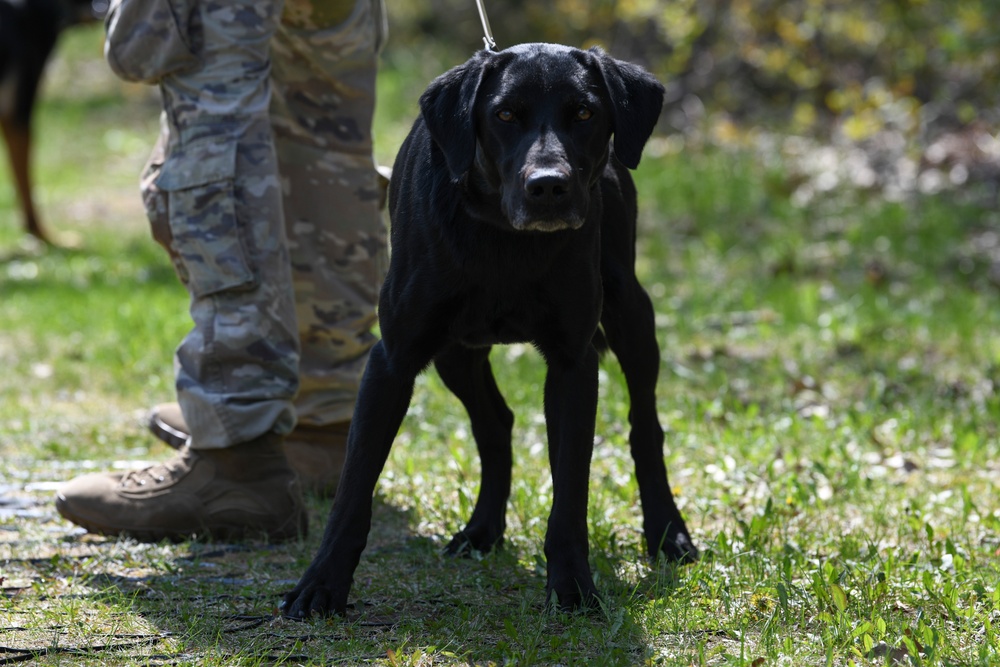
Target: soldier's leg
{"x":323,"y":75}
{"x":323,"y":78}
{"x":237,"y":369}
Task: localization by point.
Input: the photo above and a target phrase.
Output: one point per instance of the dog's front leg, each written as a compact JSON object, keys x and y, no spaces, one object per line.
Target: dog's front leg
{"x":383,"y":398}
{"x":570,"y":409}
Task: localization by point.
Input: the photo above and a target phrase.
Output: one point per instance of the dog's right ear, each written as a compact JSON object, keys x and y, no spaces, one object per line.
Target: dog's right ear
{"x":447,"y":107}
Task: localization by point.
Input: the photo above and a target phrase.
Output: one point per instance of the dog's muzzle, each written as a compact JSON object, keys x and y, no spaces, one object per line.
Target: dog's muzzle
{"x":548,"y":225}
{"x":546,"y":202}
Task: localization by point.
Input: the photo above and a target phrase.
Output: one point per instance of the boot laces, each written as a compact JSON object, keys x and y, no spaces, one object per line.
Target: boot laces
{"x":155,"y":474}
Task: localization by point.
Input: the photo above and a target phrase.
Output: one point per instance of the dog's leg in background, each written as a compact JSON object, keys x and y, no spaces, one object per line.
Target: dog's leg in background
{"x":570,"y":414}
{"x":17,"y":135}
{"x":468,"y":374}
{"x":629,"y":325}
{"x":31,"y":31}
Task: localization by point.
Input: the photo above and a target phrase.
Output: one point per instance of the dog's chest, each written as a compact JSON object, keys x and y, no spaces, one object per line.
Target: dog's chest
{"x":525,"y":313}
{"x":534,"y":288}
{"x":495,"y":319}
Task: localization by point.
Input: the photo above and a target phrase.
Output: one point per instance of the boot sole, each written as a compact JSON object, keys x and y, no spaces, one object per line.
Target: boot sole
{"x":212,"y":533}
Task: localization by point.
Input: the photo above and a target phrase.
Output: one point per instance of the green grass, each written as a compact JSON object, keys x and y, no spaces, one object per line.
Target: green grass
{"x":830,"y":387}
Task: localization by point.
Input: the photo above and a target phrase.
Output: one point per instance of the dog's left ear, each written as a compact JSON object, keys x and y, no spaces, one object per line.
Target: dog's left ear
{"x":637,"y":98}
{"x":447,"y":108}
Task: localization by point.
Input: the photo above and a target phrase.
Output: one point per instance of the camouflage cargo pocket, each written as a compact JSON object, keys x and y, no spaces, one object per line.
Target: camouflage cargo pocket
{"x":208,"y":240}
{"x":149,"y":39}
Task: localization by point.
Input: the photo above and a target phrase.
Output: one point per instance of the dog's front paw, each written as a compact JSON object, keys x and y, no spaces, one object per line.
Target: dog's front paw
{"x":314,"y":596}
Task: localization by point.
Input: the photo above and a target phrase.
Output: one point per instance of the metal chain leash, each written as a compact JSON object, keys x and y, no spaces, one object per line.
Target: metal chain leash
{"x":491,"y":43}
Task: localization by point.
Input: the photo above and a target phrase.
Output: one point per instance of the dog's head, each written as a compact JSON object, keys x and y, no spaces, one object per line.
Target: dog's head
{"x":534,"y":122}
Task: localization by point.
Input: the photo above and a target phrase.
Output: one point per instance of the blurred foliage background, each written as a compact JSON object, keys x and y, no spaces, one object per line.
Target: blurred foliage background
{"x":908,"y":89}
{"x":798,"y":62}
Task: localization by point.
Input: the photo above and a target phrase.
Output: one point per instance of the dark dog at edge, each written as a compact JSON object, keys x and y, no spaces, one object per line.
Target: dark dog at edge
{"x":28,"y":33}
{"x":513,"y":220}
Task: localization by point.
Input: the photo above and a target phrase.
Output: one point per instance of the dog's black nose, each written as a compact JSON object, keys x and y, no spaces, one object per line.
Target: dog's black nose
{"x":547,"y":186}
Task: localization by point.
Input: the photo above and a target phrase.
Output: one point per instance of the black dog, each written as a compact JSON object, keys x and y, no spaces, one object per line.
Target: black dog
{"x":513,"y":219}
{"x":28,"y":32}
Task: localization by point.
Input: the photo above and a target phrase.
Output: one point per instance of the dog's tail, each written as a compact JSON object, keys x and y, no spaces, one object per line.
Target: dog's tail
{"x":600,"y":341}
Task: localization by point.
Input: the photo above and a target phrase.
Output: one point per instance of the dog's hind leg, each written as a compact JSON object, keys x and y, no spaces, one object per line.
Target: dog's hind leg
{"x":468,"y":374}
{"x":629,"y":325}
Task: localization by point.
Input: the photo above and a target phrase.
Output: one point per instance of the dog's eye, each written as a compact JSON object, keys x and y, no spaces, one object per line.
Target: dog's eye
{"x":506,"y":115}
{"x":584,"y":113}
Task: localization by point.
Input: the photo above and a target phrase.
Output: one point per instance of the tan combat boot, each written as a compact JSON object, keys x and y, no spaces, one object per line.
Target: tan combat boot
{"x":247,"y":491}
{"x":315,"y":453}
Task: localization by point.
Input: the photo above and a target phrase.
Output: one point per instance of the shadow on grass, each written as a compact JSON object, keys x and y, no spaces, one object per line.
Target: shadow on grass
{"x":121,"y":602}
{"x":214,"y":603}
{"x":218,"y":603}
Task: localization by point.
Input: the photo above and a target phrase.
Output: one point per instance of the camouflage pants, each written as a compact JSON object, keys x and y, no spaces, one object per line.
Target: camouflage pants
{"x":263,"y":189}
